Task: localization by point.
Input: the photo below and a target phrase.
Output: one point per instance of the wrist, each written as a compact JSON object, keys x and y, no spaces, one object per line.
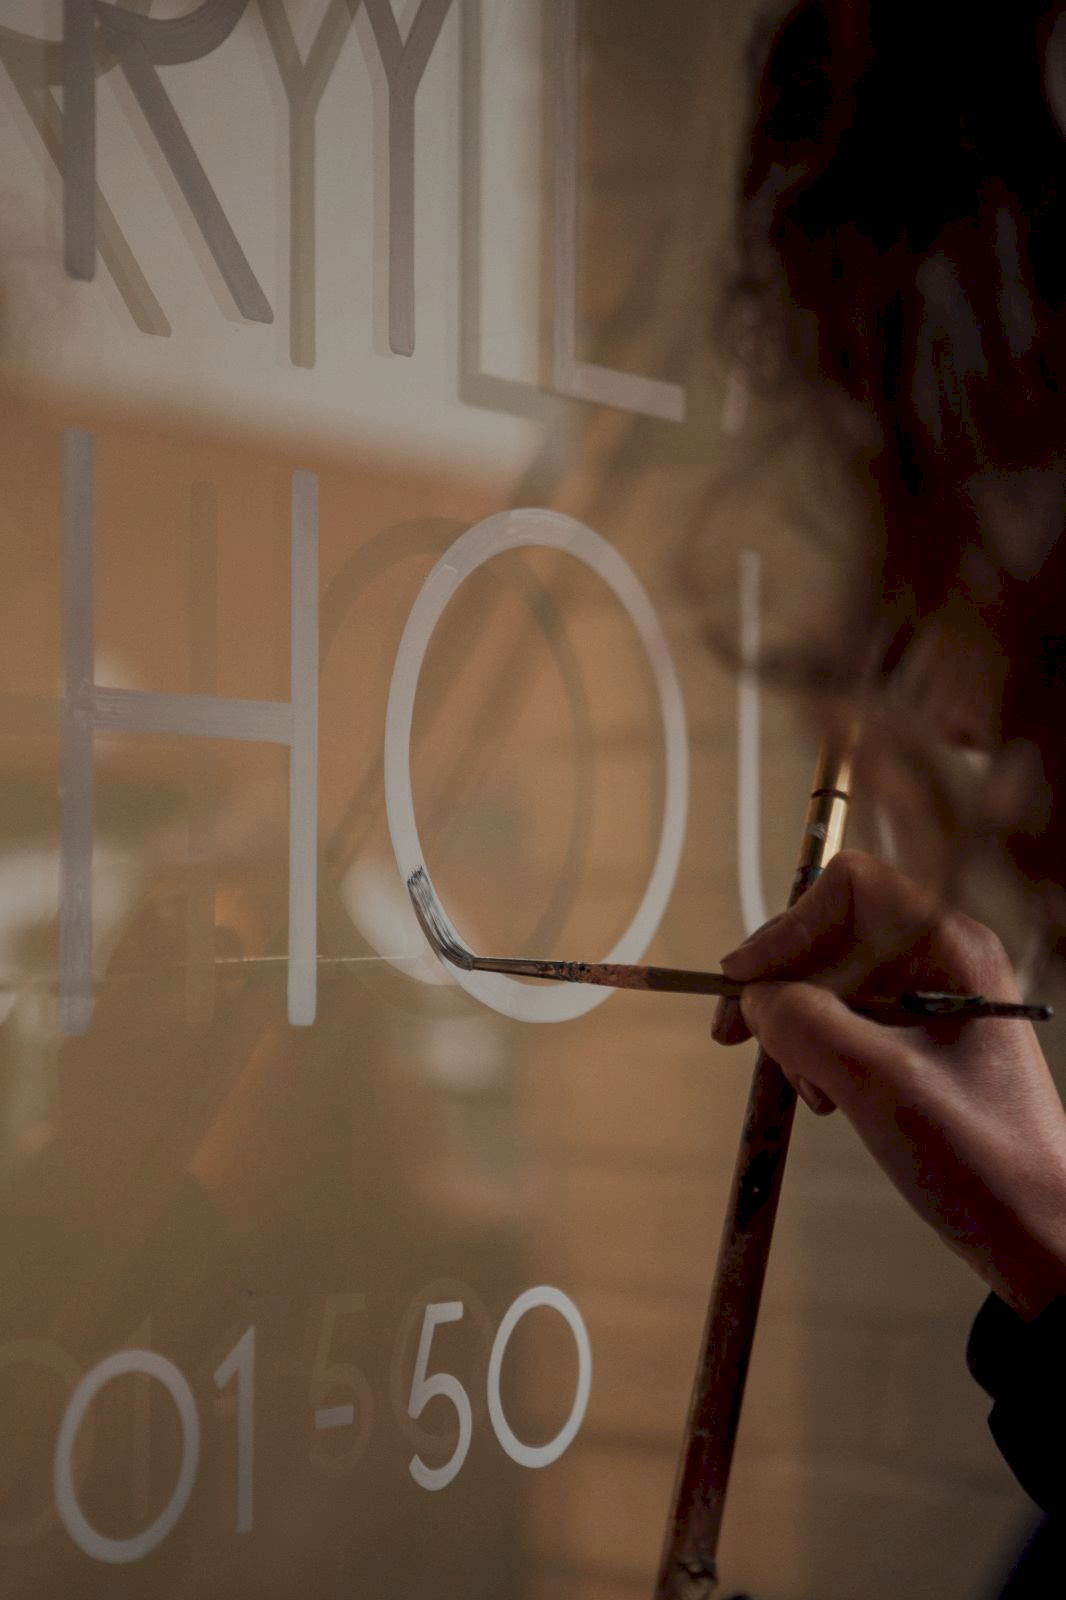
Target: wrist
{"x":1027,"y":1269}
{"x":1030,"y":1291}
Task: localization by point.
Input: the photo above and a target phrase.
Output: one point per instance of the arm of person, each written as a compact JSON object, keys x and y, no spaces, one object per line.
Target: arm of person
{"x":963,"y":1117}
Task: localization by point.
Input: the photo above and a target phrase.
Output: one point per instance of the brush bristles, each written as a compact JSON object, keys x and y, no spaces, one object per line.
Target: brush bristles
{"x":434,"y":924}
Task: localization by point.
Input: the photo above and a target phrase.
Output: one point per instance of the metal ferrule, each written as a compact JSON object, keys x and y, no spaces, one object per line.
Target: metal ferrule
{"x":827,"y":812}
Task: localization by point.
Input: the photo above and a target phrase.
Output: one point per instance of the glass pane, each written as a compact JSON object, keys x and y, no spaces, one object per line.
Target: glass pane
{"x":361,"y":417}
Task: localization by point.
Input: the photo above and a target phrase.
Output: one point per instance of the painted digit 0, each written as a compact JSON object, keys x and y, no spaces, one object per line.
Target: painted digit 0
{"x":73,"y":1518}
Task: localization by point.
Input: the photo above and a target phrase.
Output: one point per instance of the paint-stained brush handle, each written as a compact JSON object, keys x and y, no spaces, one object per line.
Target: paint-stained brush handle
{"x":826,"y":803}
{"x":931,"y":1005}
{"x":919,"y":1005}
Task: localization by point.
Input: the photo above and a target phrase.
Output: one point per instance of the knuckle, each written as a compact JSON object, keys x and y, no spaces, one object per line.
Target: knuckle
{"x":842,"y":876}
{"x":875,"y":883}
{"x":824,"y":905}
{"x":862,"y":873}
{"x":971,"y":945}
{"x":988,"y":945}
{"x":908,"y":1064}
{"x":851,"y":865}
{"x":859,"y":885}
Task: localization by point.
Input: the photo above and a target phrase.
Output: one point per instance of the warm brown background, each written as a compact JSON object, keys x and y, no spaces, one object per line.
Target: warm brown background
{"x":193,"y":1164}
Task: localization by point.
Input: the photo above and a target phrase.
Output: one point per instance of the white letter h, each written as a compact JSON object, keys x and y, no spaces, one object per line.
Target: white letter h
{"x":88,"y":706}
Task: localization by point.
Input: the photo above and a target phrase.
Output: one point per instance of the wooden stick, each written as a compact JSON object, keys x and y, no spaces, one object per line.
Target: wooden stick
{"x":913,"y":1006}
{"x":688,"y":1570}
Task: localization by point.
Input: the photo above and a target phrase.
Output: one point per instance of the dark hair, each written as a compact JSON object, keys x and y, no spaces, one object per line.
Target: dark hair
{"x":902,"y":241}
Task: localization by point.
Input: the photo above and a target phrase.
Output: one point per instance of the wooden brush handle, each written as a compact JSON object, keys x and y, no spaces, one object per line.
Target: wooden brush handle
{"x":688,"y":1570}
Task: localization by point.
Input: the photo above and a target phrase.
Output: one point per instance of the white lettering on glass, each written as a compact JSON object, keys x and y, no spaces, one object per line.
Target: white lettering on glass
{"x":515,"y":530}
{"x":749,"y":731}
{"x":35,"y":67}
{"x":88,"y":706}
{"x":78,"y":1419}
{"x":304,"y":82}
{"x":98,"y":1545}
{"x":425,"y":1388}
{"x":141,"y":45}
{"x":528,"y":1455}
{"x":404,"y":62}
{"x":584,"y":380}
{"x":331,"y":1377}
{"x":241,"y":1363}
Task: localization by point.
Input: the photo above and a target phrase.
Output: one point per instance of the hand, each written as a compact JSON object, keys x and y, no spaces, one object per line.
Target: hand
{"x":964,"y":1117}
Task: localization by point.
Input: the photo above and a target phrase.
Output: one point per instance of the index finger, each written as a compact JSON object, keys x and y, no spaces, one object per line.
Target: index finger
{"x":813,"y":1035}
{"x":860,"y":916}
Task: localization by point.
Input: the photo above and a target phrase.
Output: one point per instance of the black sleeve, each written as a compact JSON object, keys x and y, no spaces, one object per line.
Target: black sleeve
{"x":1022,"y":1365}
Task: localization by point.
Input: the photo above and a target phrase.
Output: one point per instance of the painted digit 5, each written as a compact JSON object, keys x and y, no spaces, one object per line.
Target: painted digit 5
{"x":425,"y":1388}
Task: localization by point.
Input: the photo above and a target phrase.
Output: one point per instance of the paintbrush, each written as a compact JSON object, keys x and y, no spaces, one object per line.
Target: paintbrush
{"x":916,"y":1005}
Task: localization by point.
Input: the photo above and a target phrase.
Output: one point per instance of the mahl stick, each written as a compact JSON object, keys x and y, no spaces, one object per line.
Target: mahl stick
{"x":689,"y":1563}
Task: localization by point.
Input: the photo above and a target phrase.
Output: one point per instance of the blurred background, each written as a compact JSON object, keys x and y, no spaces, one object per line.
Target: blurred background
{"x":530,"y":322}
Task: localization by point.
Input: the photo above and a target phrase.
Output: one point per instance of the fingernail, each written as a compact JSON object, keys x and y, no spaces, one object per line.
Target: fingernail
{"x":810,"y":1095}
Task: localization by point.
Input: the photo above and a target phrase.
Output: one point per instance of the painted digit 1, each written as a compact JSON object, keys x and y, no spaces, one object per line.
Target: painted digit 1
{"x":241,"y":1362}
